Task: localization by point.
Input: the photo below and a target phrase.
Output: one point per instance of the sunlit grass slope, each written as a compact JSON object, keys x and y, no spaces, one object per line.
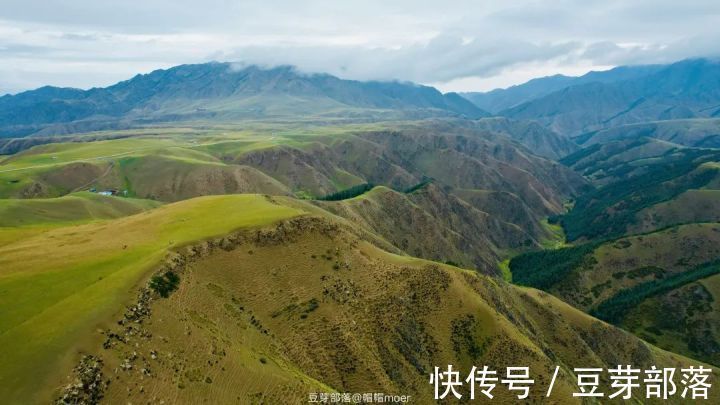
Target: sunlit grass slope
{"x":22,"y":218}
{"x":311,"y":308}
{"x":58,"y":286}
{"x":60,"y":153}
{"x":56,"y":169}
{"x":83,"y":206}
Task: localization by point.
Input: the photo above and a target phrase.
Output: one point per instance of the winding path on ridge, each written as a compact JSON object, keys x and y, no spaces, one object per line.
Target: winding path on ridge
{"x":97,"y":157}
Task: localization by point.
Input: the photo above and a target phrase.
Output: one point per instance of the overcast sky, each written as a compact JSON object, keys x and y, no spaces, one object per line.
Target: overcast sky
{"x":454,"y":45}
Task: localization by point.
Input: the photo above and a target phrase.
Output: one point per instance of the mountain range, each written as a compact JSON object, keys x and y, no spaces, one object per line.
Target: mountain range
{"x":218,"y":91}
{"x":242,"y":234}
{"x":621,"y":96}
{"x":502,"y":99}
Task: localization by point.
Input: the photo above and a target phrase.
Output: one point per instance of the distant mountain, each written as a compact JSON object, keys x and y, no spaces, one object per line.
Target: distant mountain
{"x":699,"y":132}
{"x":686,"y":89}
{"x":218,"y":91}
{"x":538,"y":139}
{"x":502,"y":99}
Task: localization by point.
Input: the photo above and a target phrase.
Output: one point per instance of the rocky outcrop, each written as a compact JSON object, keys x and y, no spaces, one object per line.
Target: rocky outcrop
{"x":88,"y":386}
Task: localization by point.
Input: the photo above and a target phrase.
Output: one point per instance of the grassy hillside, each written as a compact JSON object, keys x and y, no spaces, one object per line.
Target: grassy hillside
{"x":309,"y":307}
{"x":690,"y":206}
{"x":20,"y":219}
{"x":57,"y":169}
{"x":631,"y":188}
{"x":538,"y":139}
{"x":61,"y":285}
{"x":654,"y":283}
{"x":167,"y":168}
{"x":432,"y":224}
{"x":255,"y":310}
{"x":698,"y":132}
{"x":500,"y":203}
{"x":660,"y":286}
{"x":77,"y":207}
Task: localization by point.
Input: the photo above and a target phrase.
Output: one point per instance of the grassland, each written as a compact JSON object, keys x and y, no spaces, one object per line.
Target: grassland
{"x":701,"y":205}
{"x":432,"y":224}
{"x":58,"y":286}
{"x":56,"y":169}
{"x":315,"y":309}
{"x":657,"y":285}
{"x":21,"y":218}
{"x":698,"y":132}
{"x":615,"y":308}
{"x":309,"y":161}
{"x":69,"y":209}
{"x":69,"y":264}
{"x":64,"y":153}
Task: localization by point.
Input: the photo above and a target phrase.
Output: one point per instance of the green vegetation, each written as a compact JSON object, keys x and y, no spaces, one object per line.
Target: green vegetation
{"x":57,"y":169}
{"x":505,"y":270}
{"x":418,"y":186}
{"x":574,"y":158}
{"x":556,"y":238}
{"x":614,"y":309}
{"x":70,"y":209}
{"x":640,"y":272}
{"x":545,"y":268}
{"x":645,"y":282}
{"x":610,"y":210}
{"x":412,"y":311}
{"x":59,"y":284}
{"x":64,"y":153}
{"x":348,"y":193}
{"x":165,"y":283}
{"x":614,"y":168}
{"x":695,"y":132}
{"x":275,"y":317}
{"x":309,"y":307}
{"x":361,"y":189}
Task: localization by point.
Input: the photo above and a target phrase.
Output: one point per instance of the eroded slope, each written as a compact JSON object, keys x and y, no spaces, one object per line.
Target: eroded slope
{"x":271,"y":315}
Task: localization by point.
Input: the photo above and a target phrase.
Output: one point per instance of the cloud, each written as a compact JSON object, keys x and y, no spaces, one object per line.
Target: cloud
{"x":85,"y":43}
{"x":441,"y":59}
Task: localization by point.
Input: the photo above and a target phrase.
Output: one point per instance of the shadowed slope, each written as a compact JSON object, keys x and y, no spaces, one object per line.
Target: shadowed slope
{"x":662,"y":286}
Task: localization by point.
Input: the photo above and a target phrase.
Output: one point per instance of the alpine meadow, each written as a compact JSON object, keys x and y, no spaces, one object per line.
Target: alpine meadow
{"x":250,"y":203}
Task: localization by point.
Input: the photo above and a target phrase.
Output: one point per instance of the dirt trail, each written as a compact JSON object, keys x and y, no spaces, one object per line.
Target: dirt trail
{"x":105,"y":173}
{"x":69,"y":162}
{"x":99,"y":157}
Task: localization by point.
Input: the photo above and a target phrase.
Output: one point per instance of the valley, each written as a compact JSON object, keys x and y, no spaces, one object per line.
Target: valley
{"x":208,"y":233}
